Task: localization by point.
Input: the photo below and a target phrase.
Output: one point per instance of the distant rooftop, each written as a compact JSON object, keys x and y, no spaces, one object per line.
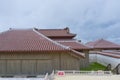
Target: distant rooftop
{"x":103,"y":44}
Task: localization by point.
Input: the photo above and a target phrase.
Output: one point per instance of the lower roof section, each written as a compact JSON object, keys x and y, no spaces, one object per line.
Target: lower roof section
{"x":74,"y":45}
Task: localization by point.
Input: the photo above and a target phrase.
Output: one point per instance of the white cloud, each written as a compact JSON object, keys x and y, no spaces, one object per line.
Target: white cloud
{"x":90,"y":19}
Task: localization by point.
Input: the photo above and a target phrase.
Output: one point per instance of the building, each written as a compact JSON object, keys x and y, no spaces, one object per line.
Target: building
{"x":104,"y":52}
{"x":64,"y":37}
{"x":31,"y":52}
{"x":102,"y":44}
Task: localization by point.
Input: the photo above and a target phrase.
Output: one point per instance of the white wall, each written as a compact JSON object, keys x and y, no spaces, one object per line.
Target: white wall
{"x":104,"y":60}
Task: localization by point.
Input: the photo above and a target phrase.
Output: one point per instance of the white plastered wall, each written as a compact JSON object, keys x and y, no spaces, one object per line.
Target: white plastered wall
{"x":104,"y":60}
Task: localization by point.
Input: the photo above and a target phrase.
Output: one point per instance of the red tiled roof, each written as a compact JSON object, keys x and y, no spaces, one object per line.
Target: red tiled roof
{"x":30,"y":40}
{"x":25,"y":40}
{"x":56,"y":33}
{"x":103,"y":44}
{"x":74,"y":45}
{"x":110,"y":54}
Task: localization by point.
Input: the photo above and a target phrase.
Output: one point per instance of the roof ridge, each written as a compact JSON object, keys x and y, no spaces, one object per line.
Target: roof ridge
{"x":14,"y":29}
{"x":7,"y":31}
{"x":112,"y":42}
{"x":50,"y":29}
{"x":66,"y":47}
{"x":108,"y":42}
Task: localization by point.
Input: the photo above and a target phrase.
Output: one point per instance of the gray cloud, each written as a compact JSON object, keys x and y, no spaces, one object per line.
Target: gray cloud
{"x":90,"y":19}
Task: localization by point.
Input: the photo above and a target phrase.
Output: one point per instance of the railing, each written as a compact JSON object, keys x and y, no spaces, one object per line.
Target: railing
{"x":51,"y":77}
{"x":46,"y":77}
{"x":70,"y":72}
{"x":116,"y":70}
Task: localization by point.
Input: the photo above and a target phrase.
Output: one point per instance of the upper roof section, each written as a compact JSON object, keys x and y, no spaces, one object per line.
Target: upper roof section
{"x":27,"y":40}
{"x":103,"y":44}
{"x":57,"y":33}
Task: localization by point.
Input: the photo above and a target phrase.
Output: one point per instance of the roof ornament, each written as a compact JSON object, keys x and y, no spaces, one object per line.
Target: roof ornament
{"x":79,"y":40}
{"x":10,"y":28}
{"x":67,"y":28}
{"x":36,"y":28}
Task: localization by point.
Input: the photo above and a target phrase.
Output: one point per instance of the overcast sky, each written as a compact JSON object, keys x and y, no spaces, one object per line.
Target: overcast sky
{"x":89,"y":19}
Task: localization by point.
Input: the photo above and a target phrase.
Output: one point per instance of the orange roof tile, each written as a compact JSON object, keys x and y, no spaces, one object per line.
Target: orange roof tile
{"x":30,"y":40}
{"x":25,"y":40}
{"x":103,"y":44}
